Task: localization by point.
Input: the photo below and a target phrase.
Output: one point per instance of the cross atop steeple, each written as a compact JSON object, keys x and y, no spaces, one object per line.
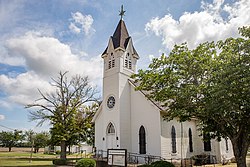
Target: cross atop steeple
{"x":122,"y":12}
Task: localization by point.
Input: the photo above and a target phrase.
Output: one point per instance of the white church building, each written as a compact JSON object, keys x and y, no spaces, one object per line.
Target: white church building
{"x":128,"y":120}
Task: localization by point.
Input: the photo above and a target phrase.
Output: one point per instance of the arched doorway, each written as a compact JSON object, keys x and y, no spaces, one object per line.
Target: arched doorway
{"x":110,"y":136}
{"x":142,"y":140}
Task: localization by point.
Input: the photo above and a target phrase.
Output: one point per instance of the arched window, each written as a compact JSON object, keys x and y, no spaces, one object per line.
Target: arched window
{"x":128,"y":62}
{"x":226,"y":140}
{"x":207,"y":142}
{"x":111,"y":61}
{"x":110,"y":129}
{"x":173,"y":137}
{"x":142,"y":140}
{"x":190,"y":137}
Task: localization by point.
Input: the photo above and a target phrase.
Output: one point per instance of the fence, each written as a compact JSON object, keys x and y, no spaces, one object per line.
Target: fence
{"x":135,"y":158}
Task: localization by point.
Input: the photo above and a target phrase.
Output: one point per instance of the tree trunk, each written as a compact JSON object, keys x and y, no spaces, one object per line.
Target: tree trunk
{"x":63,"y":150}
{"x":240,"y":147}
{"x":36,"y":150}
{"x":9,"y":149}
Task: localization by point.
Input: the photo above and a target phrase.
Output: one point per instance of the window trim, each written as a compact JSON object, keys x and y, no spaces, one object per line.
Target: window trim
{"x":142,"y":140}
{"x":128,"y":61}
{"x":173,"y":140}
{"x":190,"y":140}
{"x":111,"y":61}
{"x":207,"y":142}
{"x":110,"y":128}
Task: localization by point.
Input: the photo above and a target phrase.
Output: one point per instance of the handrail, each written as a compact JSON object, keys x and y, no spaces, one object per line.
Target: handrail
{"x":135,"y":158}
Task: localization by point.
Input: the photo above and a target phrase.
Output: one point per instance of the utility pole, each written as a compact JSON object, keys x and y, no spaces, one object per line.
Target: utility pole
{"x":32,"y":149}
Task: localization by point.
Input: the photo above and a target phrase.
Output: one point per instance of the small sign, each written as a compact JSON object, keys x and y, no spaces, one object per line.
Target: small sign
{"x":117,"y":157}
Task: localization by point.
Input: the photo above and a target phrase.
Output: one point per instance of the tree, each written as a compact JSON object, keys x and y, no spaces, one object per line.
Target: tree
{"x":41,"y":140}
{"x":10,"y":139}
{"x":60,"y":107}
{"x":37,"y":139}
{"x":84,"y":128}
{"x":29,"y":135}
{"x":86,"y":123}
{"x":210,"y":83}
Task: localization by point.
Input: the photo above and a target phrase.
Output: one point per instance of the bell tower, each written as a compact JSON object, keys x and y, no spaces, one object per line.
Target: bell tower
{"x":120,"y":54}
{"x":119,"y":59}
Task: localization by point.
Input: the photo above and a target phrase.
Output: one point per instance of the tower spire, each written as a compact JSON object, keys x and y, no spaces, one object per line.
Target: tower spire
{"x":122,"y":12}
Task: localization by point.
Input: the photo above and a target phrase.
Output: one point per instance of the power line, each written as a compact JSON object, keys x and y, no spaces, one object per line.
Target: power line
{"x":6,"y":127}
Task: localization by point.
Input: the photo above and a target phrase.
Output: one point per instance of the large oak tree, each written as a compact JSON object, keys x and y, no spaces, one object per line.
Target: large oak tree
{"x":210,"y":83}
{"x":10,"y":138}
{"x":63,"y":107}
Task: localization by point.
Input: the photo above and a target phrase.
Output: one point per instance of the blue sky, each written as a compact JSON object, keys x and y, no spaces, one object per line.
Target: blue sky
{"x":40,"y":38}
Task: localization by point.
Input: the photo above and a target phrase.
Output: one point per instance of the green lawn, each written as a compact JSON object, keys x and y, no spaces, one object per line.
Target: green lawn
{"x":23,"y":159}
{"x":25,"y":162}
{"x":25,"y":154}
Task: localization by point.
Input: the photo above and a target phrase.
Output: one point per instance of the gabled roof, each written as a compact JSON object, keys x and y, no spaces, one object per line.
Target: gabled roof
{"x":156,"y":104}
{"x":132,"y":83}
{"x":121,"y":38}
{"x":97,"y":113}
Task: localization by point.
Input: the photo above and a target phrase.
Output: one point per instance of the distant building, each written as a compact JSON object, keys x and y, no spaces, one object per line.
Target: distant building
{"x":126,"y":119}
{"x":81,"y":148}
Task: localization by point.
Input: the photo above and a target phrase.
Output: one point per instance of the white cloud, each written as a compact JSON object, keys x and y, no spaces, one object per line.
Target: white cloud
{"x":46,"y":56}
{"x":24,"y":88}
{"x":10,"y":12}
{"x":215,"y":21}
{"x":4,"y":103}
{"x":81,"y":23}
{"x":151,"y":57}
{"x":43,"y":58}
{"x":74,"y":28}
{"x":2,"y":117}
{"x":13,"y":60}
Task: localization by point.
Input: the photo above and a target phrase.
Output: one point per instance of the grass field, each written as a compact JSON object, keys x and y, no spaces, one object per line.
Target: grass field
{"x":22,"y":158}
{"x":25,"y":162}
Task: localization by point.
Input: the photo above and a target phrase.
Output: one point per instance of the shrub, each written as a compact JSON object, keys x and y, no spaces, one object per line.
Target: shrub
{"x":158,"y":164}
{"x":162,"y":164}
{"x":233,"y":160}
{"x":203,"y":159}
{"x":86,"y":163}
{"x":58,"y":152}
{"x":59,"y":161}
{"x":145,"y":165}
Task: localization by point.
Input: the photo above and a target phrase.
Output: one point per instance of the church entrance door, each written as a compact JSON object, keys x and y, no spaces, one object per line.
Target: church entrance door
{"x":111,"y":139}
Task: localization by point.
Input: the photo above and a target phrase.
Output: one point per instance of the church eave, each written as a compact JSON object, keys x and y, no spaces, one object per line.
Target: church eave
{"x":135,"y":53}
{"x":105,"y":52}
{"x":152,"y":101}
{"x":97,"y":113}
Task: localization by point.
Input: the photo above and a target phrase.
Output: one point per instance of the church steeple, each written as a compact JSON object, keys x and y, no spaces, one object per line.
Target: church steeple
{"x":119,"y":63}
{"x":120,"y":54}
{"x":120,"y":37}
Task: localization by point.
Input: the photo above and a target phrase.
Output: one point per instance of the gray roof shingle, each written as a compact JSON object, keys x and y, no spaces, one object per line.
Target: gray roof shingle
{"x":120,"y":37}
